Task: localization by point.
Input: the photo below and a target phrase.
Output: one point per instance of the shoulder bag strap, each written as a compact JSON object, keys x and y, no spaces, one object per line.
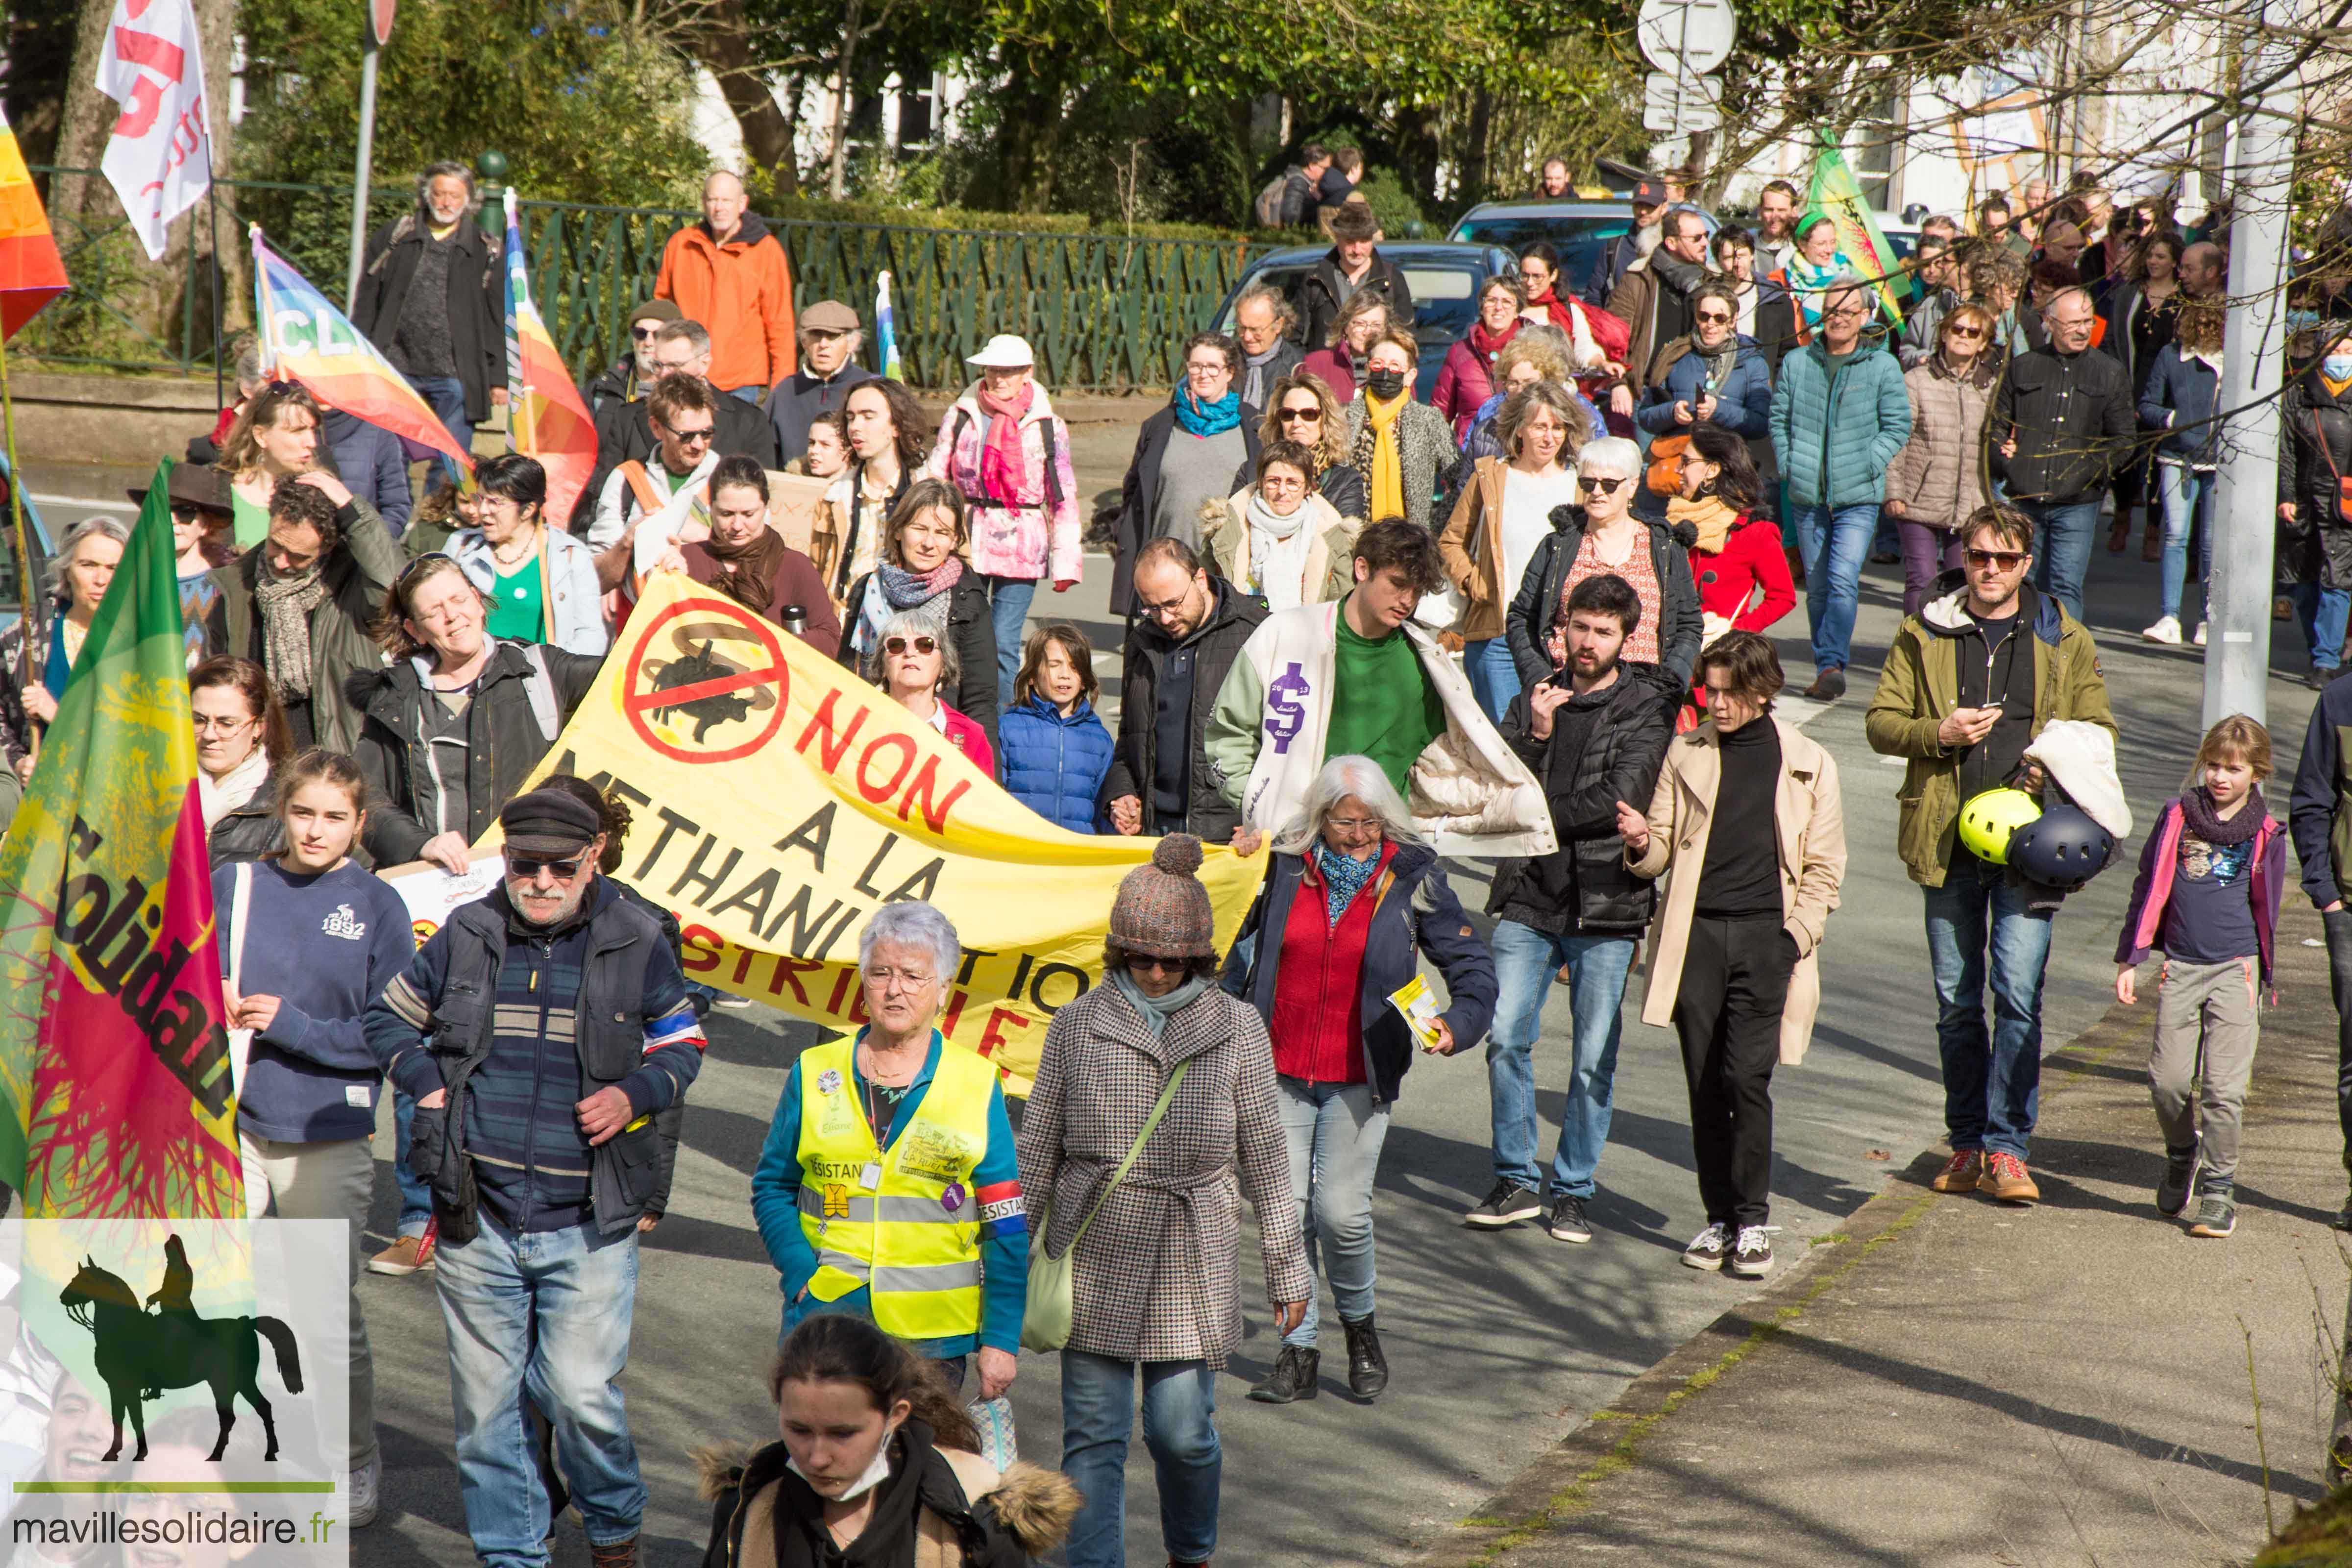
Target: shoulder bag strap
{"x":1151,"y":1125}
{"x":244,"y":896}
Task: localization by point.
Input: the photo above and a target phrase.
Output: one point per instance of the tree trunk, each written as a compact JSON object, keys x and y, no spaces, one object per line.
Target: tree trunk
{"x":1478,"y":138}
{"x":833,"y":183}
{"x":84,"y":122}
{"x":1030,"y":132}
{"x":723,"y":43}
{"x":1417,"y":154}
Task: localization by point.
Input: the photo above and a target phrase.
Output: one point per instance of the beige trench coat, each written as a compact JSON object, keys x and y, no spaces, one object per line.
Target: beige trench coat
{"x":1810,"y":821}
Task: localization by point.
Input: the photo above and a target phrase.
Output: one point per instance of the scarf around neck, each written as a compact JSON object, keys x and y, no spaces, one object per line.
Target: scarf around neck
{"x":1207,"y":419}
{"x":2203,"y":818}
{"x":1157,"y":1010}
{"x":1254,"y":383}
{"x":1487,"y":344}
{"x":751,"y":580}
{"x":1344,"y":877}
{"x":241,"y":783}
{"x":893,"y":588}
{"x":1383,"y":469}
{"x":1003,"y":467}
{"x":1710,"y":515}
{"x":286,"y":605}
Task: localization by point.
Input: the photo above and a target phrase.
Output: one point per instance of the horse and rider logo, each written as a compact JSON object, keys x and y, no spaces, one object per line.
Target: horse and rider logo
{"x":142,"y":1350}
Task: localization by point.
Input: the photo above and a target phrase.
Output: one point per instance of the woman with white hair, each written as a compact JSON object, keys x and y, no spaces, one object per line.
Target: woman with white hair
{"x":917,"y":664}
{"x":1353,"y":897}
{"x":79,"y":574}
{"x":889,"y":1187}
{"x":1598,"y":535}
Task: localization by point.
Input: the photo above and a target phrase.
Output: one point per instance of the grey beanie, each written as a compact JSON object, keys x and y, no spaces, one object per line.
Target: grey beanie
{"x":1162,"y":910}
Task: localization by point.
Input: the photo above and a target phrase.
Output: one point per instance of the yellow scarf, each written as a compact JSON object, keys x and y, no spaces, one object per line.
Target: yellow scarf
{"x":1388,"y":469}
{"x":1708,"y":515}
{"x":2335,"y":388}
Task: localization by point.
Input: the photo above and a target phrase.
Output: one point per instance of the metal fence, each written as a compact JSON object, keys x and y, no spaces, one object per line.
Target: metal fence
{"x":1103,"y":312}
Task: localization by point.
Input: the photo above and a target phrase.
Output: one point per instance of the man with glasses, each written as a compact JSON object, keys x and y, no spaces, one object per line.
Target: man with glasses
{"x":1262,"y":321}
{"x":1189,"y":625}
{"x":682,"y":417}
{"x":1969,"y":681}
{"x":1840,"y":416}
{"x":2061,"y":418}
{"x":625,"y":431}
{"x":559,"y":1021}
{"x":830,"y":337}
{"x":633,"y":374}
{"x":1654,"y":298}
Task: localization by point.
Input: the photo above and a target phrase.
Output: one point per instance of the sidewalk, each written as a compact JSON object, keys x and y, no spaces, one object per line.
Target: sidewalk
{"x":1947,"y":1381}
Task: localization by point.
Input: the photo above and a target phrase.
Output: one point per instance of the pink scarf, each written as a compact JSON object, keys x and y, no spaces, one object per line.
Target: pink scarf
{"x":1001,"y":472}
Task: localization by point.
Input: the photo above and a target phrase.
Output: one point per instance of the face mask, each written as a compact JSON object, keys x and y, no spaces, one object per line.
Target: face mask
{"x":1385,"y":384}
{"x":2336,"y":367}
{"x":875,"y":1474}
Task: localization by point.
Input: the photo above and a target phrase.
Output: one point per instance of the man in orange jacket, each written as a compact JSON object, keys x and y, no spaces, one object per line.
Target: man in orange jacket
{"x":728,"y":272}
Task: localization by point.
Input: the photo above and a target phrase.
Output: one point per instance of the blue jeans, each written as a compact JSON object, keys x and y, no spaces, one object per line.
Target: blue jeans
{"x":1180,"y":1407}
{"x":1993,"y":1081}
{"x":2322,"y":613}
{"x":2062,"y":548}
{"x":1834,"y":542}
{"x":1494,"y":675}
{"x":1525,"y":961}
{"x":1334,"y":1132}
{"x":446,"y":395}
{"x":1008,"y":606}
{"x":544,"y":1315}
{"x":2188,"y":497}
{"x":416,"y":1197}
{"x":748,"y":394}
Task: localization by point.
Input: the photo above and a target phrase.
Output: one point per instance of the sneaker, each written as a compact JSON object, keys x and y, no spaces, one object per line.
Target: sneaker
{"x":1962,"y":1173}
{"x":366,"y":1482}
{"x":2179,"y":1180}
{"x":1828,"y":686}
{"x":1294,"y":1377}
{"x":2166,"y":631}
{"x":1509,"y":1204}
{"x":1568,"y":1220}
{"x":730,"y":1000}
{"x":2200,"y":639}
{"x":1751,"y":1257}
{"x":1368,"y":1367}
{"x":2217,"y":1214}
{"x":2005,"y":1179}
{"x":406,"y":1255}
{"x":1709,"y":1248}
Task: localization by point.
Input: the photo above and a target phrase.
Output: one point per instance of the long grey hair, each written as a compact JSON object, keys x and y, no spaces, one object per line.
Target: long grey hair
{"x":1342,"y":777}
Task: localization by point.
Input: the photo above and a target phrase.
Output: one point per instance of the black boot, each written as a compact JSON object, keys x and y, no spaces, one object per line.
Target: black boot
{"x":1368,"y":1369}
{"x":1292,"y":1377}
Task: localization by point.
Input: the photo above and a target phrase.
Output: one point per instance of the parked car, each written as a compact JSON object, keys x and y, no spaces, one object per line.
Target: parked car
{"x":1580,"y":230}
{"x":1445,"y":277}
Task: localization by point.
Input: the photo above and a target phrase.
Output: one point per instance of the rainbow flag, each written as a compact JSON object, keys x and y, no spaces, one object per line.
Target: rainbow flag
{"x":115,"y":1087}
{"x":305,"y":339}
{"x":886,"y":331}
{"x":545,"y":416}
{"x":1838,"y":194}
{"x":31,"y":272}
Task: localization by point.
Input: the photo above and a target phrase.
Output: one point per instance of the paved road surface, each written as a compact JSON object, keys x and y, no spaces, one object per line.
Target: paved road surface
{"x":1498,"y":1344}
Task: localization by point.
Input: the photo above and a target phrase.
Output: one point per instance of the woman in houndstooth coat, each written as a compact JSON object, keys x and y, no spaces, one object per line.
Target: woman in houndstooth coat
{"x":1154,"y":1276}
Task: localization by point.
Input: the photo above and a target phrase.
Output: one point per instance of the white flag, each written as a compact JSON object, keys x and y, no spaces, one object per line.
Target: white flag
{"x":160,"y":156}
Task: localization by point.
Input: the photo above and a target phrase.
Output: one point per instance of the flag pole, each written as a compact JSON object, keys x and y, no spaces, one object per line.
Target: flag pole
{"x":26,"y":596}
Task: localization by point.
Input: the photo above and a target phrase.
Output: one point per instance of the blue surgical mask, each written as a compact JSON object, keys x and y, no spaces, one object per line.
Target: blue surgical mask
{"x":2336,"y":367}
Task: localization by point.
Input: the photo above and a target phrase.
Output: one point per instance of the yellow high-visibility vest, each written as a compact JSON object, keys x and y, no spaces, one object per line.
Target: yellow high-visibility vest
{"x":904,"y":1224}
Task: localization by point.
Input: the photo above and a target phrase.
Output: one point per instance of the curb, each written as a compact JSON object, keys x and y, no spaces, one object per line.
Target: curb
{"x":1562,"y":1482}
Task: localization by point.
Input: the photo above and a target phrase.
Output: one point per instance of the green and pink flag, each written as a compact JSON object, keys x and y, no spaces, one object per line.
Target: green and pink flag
{"x":115,"y":1088}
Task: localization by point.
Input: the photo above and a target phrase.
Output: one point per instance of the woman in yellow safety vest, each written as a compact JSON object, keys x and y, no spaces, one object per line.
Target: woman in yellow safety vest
{"x":889,"y":1187}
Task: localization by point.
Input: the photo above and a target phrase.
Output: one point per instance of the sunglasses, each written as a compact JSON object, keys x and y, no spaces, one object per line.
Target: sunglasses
{"x":523,"y":869}
{"x":1288,"y":415}
{"x":1596,"y":484}
{"x":899,"y":645}
{"x":1964,"y":332}
{"x":645,"y":334}
{"x":2007,"y":559}
{"x":1718,"y":316}
{"x":693,"y":438}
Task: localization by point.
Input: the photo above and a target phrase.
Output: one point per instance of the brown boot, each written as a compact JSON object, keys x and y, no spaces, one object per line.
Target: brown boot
{"x":620,"y":1554}
{"x":1961,"y":1173}
{"x":2151,"y":545}
{"x":2120,"y":534}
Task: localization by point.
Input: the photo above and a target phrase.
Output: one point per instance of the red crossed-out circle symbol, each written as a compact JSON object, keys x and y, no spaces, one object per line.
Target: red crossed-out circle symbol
{"x":642,"y":700}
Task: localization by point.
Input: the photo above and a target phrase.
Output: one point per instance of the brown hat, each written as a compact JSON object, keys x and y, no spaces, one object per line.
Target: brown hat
{"x":1162,"y":910}
{"x":654,"y":310}
{"x":829,"y":316}
{"x":199,"y":485}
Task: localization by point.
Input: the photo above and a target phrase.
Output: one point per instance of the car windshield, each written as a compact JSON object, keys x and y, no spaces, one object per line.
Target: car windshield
{"x":1444,"y":298}
{"x":1579,"y":240}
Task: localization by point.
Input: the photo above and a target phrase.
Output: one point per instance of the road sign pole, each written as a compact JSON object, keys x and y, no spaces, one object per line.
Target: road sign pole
{"x":361,"y":169}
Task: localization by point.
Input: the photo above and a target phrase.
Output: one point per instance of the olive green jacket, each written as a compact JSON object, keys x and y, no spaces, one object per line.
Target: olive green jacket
{"x":1918,"y":690}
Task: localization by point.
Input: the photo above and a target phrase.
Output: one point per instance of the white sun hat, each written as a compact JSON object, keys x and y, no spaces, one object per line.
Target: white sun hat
{"x":1004,"y":352}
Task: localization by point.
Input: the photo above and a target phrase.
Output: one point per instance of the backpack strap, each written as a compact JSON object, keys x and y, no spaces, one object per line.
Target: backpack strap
{"x":641,"y":484}
{"x":539,"y":687}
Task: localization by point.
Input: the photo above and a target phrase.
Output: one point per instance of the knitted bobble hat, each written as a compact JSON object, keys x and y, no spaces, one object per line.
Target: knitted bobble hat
{"x":1162,"y":910}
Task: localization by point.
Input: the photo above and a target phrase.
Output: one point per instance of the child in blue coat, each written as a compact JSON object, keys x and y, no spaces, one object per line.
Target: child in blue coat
{"x":1052,"y":752}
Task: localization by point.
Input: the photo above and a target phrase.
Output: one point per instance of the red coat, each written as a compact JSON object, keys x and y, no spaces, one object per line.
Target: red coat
{"x":1467,"y":380}
{"x":1752,"y":557}
{"x":1337,"y":371}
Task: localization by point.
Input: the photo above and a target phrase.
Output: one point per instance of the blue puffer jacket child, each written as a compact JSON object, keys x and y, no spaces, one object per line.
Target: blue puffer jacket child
{"x":1054,"y":763}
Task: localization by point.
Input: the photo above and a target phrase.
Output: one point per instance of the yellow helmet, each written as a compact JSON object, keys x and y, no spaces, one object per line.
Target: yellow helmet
{"x":1987,"y":820}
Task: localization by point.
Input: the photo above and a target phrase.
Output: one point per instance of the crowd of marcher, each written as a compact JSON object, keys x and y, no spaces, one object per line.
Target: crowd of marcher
{"x":1521,"y":621}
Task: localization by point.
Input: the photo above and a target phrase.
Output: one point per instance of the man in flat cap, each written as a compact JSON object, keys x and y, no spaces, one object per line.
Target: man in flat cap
{"x":830,"y":337}
{"x":633,"y":374}
{"x":540,"y":1031}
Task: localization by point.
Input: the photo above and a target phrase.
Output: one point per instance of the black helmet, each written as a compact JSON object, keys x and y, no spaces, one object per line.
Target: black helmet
{"x":2061,"y":848}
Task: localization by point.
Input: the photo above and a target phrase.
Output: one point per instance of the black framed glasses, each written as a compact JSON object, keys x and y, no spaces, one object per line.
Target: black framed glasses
{"x":524,"y":867}
{"x":1598,"y":484}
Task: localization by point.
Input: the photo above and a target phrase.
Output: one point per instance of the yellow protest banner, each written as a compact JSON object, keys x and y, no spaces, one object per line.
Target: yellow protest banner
{"x":779,"y":801}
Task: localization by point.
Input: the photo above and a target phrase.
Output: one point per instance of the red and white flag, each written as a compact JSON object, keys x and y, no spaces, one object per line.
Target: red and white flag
{"x":160,"y":156}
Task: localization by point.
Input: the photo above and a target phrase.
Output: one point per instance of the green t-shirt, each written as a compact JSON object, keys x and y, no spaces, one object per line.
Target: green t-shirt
{"x":514,"y":605}
{"x":250,"y":520}
{"x":1383,"y":704}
